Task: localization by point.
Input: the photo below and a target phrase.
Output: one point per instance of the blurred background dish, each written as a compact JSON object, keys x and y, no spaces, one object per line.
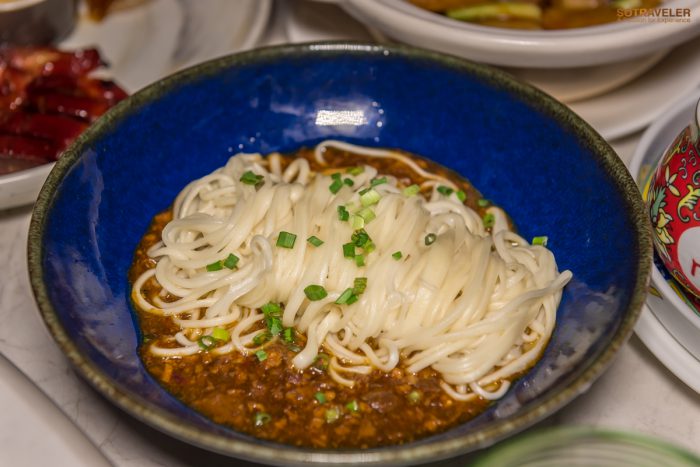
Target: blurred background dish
{"x":674,"y":309}
{"x":143,"y":41}
{"x":589,"y":447}
{"x":36,"y":22}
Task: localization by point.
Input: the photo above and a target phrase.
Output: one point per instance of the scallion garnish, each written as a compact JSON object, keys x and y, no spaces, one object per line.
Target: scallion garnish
{"x":250,"y":178}
{"x":274,"y":324}
{"x":286,"y":240}
{"x":206,"y":342}
{"x":314,"y":240}
{"x":344,"y":297}
{"x":414,"y":397}
{"x":336,"y":176}
{"x":315,"y":292}
{"x":261,"y":354}
{"x":353,"y":298}
{"x":541,"y":240}
{"x":445,"y":190}
{"x":288,"y":335}
{"x":397,"y":255}
{"x":370,"y":197}
{"x":377,"y":181}
{"x":348,"y":181}
{"x":430,"y":238}
{"x":352,"y":406}
{"x":482,"y":203}
{"x":271,"y":308}
{"x":216,"y":266}
{"x":462,"y":196}
{"x":367,"y":214}
{"x":332,"y":415}
{"x":359,"y":260}
{"x":359,"y":285}
{"x":261,"y":418}
{"x":489,"y":220}
{"x":322,"y":361}
{"x":220,"y":334}
{"x":356,"y":222}
{"x":343,"y":213}
{"x":370,"y":247}
{"x":360,"y":238}
{"x":349,"y":250}
{"x":335,"y":186}
{"x":356,"y":170}
{"x":261,"y":338}
{"x":320,"y":397}
{"x":411,"y":190}
{"x":231,"y":261}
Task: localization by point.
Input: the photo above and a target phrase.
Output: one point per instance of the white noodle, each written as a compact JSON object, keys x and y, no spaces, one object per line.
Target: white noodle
{"x":477,"y":307}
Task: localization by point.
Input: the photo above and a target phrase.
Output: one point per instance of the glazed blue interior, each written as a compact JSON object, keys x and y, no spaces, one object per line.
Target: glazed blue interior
{"x":507,"y":141}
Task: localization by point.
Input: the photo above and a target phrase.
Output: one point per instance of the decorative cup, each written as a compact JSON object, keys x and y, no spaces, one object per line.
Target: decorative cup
{"x":674,"y":206}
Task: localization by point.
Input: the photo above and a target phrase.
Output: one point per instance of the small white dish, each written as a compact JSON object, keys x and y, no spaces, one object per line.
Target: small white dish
{"x":670,"y":309}
{"x":146,"y":42}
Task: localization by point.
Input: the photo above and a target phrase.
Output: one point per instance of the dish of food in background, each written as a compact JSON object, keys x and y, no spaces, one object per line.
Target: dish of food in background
{"x":537,"y":14}
{"x":565,"y":48}
{"x":47,"y":99}
{"x":668,"y":302}
{"x":36,"y":22}
{"x":347,"y":91}
{"x":324,"y":335}
{"x":146,"y":40}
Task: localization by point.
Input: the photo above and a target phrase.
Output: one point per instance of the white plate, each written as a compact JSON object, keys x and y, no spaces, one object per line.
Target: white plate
{"x":635,"y":105}
{"x":146,"y":42}
{"x":668,"y":350}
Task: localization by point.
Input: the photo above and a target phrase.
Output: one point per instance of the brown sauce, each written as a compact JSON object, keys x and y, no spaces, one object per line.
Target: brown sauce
{"x":272,"y":400}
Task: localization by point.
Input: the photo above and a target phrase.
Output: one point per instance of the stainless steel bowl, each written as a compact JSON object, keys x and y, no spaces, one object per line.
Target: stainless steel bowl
{"x":40,"y":22}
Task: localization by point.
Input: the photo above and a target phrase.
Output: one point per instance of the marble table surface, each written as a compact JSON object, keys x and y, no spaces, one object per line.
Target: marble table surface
{"x":61,"y":421}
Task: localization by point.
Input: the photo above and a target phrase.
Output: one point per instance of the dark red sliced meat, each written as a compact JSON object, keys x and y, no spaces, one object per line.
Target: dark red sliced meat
{"x":60,"y":130}
{"x":48,"y":61}
{"x":27,"y":148}
{"x":74,"y":106}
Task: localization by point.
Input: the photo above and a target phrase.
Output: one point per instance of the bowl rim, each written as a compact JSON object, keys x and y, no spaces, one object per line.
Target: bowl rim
{"x":282,"y":454}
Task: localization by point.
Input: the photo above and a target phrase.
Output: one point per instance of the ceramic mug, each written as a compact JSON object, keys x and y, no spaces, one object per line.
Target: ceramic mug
{"x":674,"y":206}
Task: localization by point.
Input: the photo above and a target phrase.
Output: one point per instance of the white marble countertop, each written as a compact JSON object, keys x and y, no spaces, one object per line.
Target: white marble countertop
{"x":637,"y":393}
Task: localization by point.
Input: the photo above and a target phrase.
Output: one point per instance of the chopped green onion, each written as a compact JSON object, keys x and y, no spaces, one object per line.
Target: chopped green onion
{"x":335,"y":186}
{"x":430,"y":238}
{"x":462,"y":196}
{"x":367,"y":214}
{"x":370,"y":197}
{"x":370,"y":247}
{"x":261,"y":354}
{"x":359,"y":261}
{"x":344,"y":297}
{"x":288,"y":335}
{"x":315,"y":292}
{"x":445,"y":190}
{"x":360,"y":238}
{"x":262,"y":418}
{"x":274,"y":324}
{"x":356,"y":222}
{"x":250,"y":178}
{"x":377,"y":181}
{"x":352,"y":406}
{"x":483,"y":203}
{"x":332,"y":415}
{"x":364,"y":190}
{"x":206,"y":342}
{"x":542,"y":240}
{"x":271,"y":308}
{"x":397,"y":255}
{"x":322,"y":361}
{"x":360,"y":284}
{"x":320,"y":397}
{"x":356,"y":170}
{"x":343,"y":213}
{"x":336,"y":176}
{"x":231,"y":261}
{"x":261,"y":338}
{"x":220,"y":334}
{"x":353,"y":298}
{"x":349,"y":250}
{"x":411,"y":190}
{"x":489,"y":220}
{"x":286,"y":240}
{"x":348,"y":181}
{"x":217,"y":266}
{"x":414,"y":397}
{"x":314,"y":240}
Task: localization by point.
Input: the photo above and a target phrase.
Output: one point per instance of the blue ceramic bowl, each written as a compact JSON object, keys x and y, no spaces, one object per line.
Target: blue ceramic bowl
{"x":522,"y":149}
